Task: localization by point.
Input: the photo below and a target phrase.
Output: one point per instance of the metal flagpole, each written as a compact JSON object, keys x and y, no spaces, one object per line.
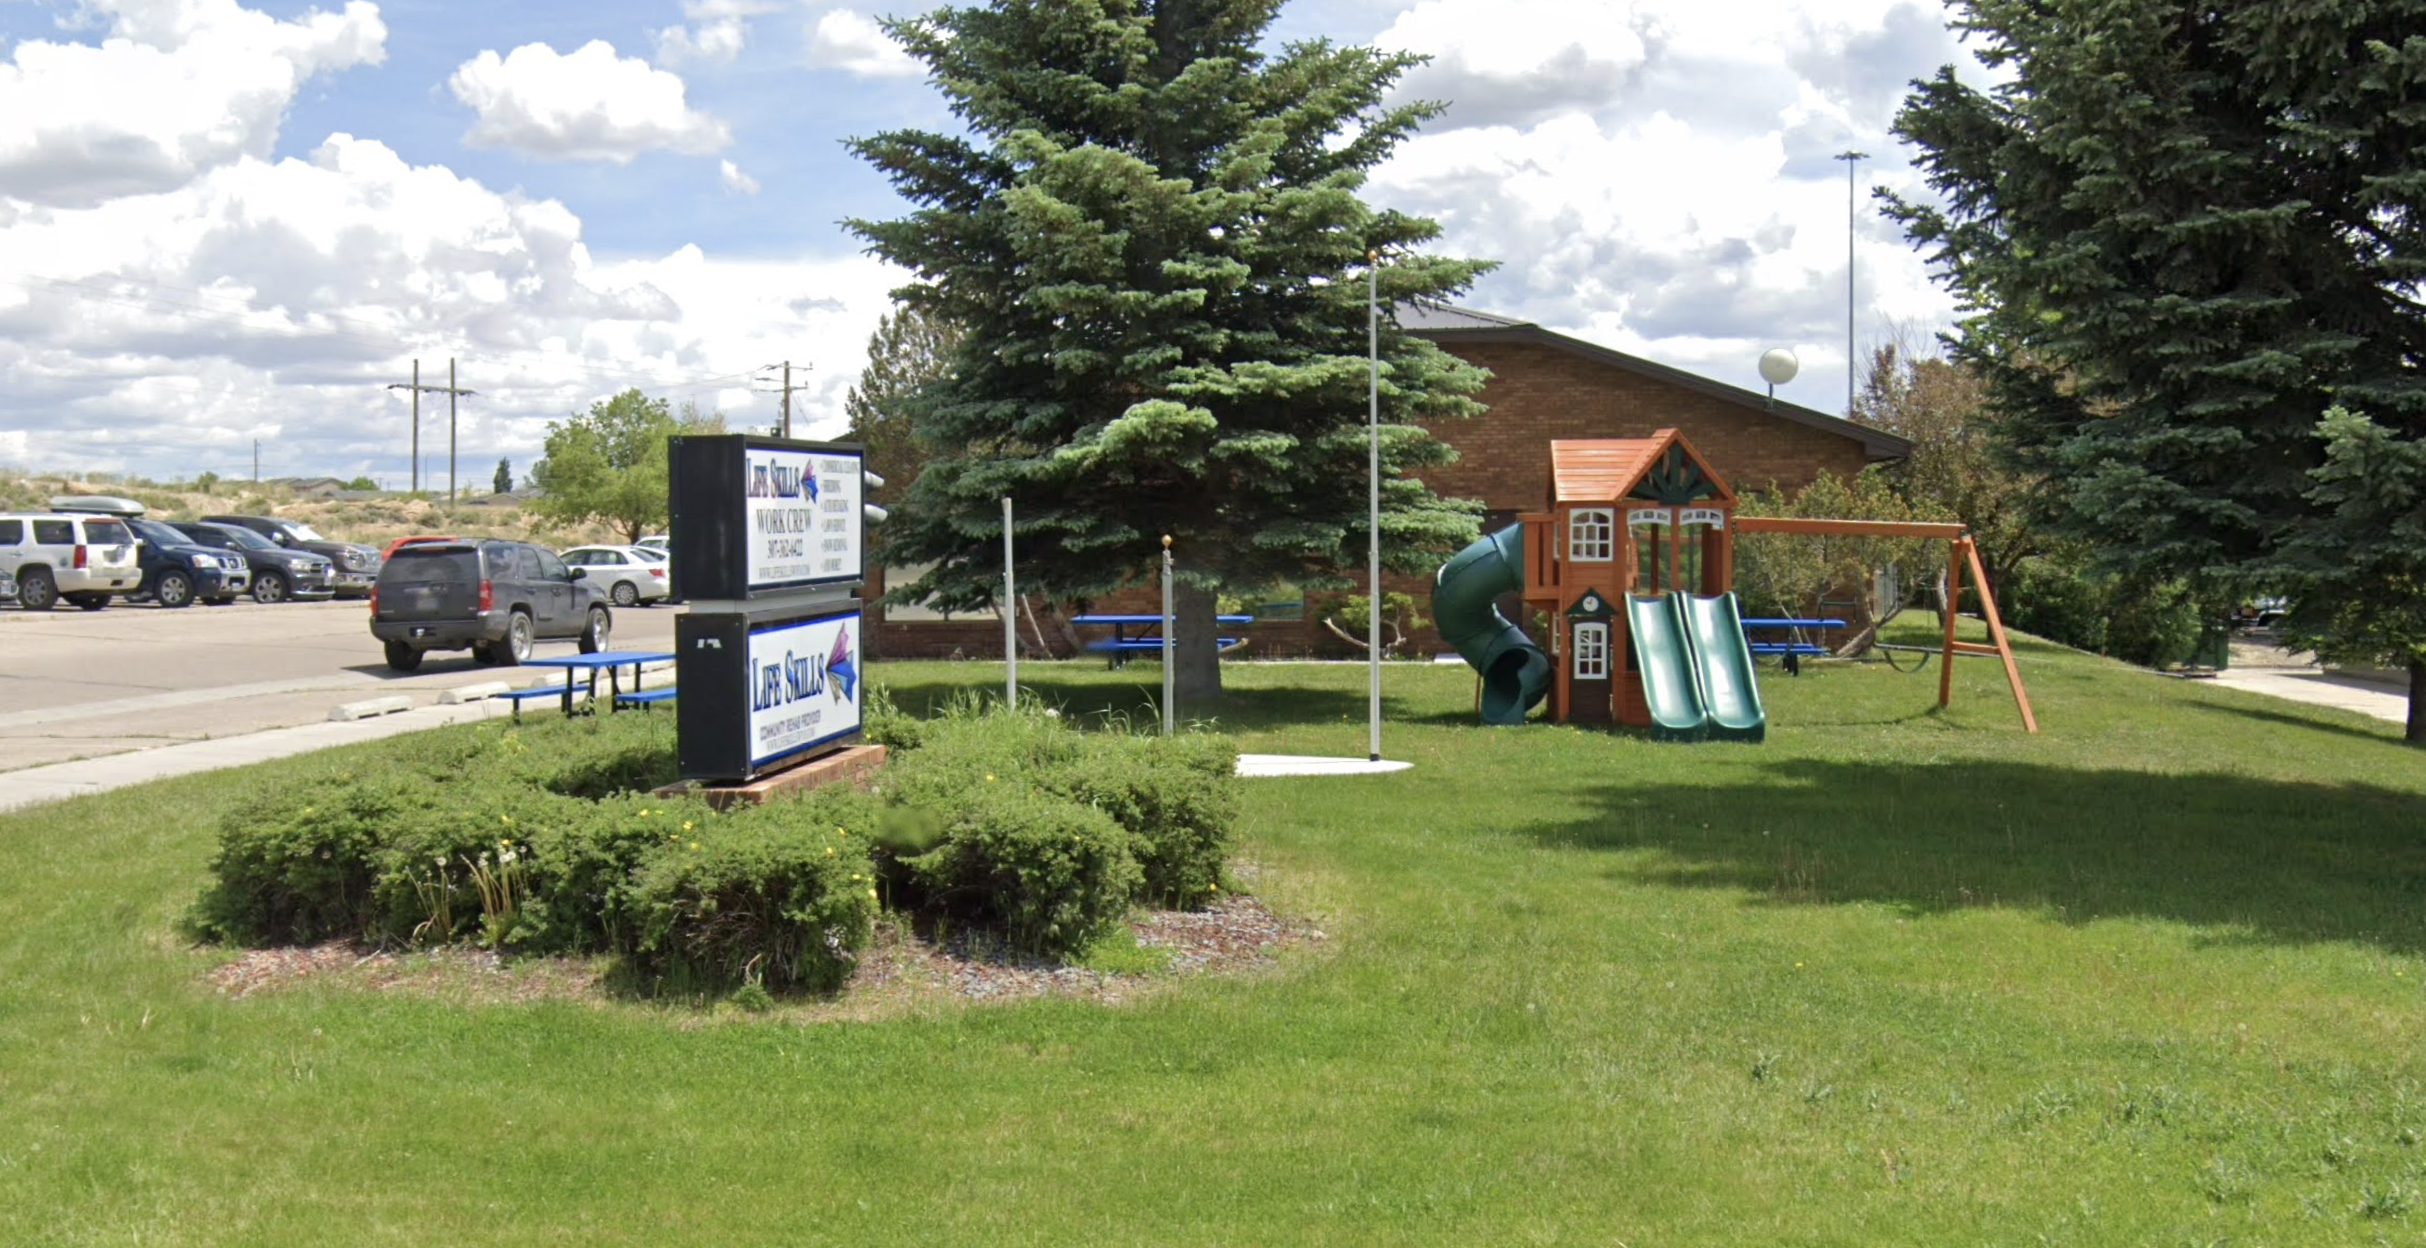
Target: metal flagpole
{"x":1373,"y":495}
{"x":1010,"y":615}
{"x":1170,"y":686}
{"x":1851,"y":159}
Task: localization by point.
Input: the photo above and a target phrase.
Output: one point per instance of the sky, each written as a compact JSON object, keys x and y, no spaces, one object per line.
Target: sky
{"x":226,"y":225}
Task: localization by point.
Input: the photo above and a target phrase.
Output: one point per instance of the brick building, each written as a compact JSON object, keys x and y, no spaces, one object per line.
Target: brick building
{"x":1543,"y":386}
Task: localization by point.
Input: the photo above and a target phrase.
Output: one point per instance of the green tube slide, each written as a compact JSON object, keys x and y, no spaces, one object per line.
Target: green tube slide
{"x":1516,"y":674}
{"x":1672,"y":679}
{"x":1725,"y":660}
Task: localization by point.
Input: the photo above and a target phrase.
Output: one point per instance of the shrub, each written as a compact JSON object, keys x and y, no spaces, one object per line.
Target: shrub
{"x":883,"y":723}
{"x":780,"y":895}
{"x":1051,"y":871}
{"x":2055,"y":602}
{"x":301,"y":868}
{"x":1174,"y":796}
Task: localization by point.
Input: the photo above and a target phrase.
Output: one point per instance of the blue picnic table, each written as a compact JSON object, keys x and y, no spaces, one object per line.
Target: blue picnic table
{"x":1790,"y":646}
{"x":611,"y":661}
{"x":1123,"y":643}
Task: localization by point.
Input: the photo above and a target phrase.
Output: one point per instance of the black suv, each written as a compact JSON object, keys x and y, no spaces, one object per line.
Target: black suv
{"x":495,"y":598}
{"x":355,"y":565}
{"x":179,"y":571}
{"x":278,"y":574}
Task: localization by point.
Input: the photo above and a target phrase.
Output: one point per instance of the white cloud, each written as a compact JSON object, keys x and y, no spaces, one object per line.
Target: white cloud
{"x":1655,"y":175}
{"x":734,"y":179}
{"x":586,"y":105}
{"x":176,"y":88}
{"x":716,"y":42}
{"x":161,"y":333}
{"x":853,"y":43}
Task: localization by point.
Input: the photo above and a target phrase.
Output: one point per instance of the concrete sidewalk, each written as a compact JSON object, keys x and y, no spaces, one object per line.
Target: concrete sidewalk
{"x":2322,"y":688}
{"x":32,"y":786}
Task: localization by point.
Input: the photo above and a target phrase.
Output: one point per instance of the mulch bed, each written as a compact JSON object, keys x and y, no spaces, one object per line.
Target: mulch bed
{"x":1235,"y":935}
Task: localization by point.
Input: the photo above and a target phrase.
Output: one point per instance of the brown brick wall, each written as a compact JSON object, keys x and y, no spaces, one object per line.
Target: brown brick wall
{"x":1540,"y":393}
{"x":1536,"y":394}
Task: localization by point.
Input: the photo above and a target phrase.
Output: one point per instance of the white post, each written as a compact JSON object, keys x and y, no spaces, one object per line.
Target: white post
{"x":1170,"y":682}
{"x":1010,"y":616}
{"x":1373,"y":495}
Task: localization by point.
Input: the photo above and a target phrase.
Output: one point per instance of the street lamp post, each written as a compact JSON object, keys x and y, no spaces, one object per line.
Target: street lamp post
{"x":1851,"y":159}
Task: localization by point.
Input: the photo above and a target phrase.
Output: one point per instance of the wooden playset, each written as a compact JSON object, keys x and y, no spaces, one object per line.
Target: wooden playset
{"x":1633,"y":565}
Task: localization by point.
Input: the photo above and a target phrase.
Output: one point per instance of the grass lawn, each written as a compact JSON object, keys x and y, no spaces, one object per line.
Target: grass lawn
{"x":2157,"y":976}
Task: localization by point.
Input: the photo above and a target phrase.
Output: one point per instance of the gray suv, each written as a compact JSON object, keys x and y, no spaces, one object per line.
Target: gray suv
{"x":494,"y":598}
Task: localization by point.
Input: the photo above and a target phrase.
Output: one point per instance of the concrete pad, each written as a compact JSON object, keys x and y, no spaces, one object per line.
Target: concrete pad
{"x":371,"y":708}
{"x":1314,"y":765}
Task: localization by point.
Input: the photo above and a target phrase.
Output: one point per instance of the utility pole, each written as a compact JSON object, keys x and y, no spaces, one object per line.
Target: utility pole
{"x":256,"y":461}
{"x":784,"y":429}
{"x":450,"y":391}
{"x":1851,"y":159}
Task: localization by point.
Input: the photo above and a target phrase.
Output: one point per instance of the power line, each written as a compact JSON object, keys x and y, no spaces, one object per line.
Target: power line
{"x":450,"y":391}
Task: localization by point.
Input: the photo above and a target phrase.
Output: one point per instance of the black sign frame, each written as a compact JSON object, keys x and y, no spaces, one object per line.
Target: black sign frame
{"x":708,"y":533}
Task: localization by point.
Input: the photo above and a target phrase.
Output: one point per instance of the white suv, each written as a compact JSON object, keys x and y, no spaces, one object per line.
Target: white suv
{"x":83,"y":559}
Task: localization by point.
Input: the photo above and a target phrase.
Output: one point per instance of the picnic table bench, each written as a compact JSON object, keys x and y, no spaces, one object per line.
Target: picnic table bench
{"x":1790,"y":646}
{"x":1148,"y":639}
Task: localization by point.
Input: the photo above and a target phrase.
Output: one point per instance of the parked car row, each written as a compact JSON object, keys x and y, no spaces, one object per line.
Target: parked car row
{"x":89,"y":549}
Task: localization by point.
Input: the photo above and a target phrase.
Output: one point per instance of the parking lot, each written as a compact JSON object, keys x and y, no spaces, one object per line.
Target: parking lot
{"x":79,"y":684}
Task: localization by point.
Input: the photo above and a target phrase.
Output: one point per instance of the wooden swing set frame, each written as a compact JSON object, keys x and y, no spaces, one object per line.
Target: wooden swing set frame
{"x":1964,"y":554}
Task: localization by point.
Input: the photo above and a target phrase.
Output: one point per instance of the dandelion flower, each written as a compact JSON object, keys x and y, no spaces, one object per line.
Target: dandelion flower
{"x":694,"y":844}
{"x":686,"y":825}
{"x":989,"y":777}
{"x":829,"y":851}
{"x":309,"y":809}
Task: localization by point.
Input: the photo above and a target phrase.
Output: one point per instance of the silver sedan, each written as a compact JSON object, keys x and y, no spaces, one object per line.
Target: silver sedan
{"x":627,"y":575}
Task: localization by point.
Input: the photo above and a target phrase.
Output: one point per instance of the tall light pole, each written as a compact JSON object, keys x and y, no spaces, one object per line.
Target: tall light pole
{"x":1851,"y":159}
{"x":1373,"y":494}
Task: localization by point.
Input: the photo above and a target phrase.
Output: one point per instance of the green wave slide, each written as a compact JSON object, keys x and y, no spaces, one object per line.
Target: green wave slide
{"x":1516,"y":674}
{"x":1697,"y":668}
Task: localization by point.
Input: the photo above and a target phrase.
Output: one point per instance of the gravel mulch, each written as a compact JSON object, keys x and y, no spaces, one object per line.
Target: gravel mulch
{"x":901,"y":973}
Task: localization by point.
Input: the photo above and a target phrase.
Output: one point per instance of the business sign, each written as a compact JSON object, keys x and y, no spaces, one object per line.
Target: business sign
{"x":759,"y":691}
{"x":761,"y":517}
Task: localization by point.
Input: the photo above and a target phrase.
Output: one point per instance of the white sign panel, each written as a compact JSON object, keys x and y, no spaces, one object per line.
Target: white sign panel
{"x":804,"y":685}
{"x":1711,"y":516}
{"x":804,"y":517}
{"x":1641,"y":516}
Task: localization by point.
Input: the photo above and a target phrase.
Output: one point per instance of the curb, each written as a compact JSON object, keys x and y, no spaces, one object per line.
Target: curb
{"x":473,"y":693}
{"x":369,"y":707}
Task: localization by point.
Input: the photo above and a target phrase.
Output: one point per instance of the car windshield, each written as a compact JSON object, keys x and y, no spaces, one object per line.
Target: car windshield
{"x":303,"y":532}
{"x":159,"y":534}
{"x":246,"y":538}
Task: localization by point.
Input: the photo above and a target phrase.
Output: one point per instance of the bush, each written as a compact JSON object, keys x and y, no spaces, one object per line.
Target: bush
{"x":301,"y":869}
{"x":2052,"y":601}
{"x":780,"y":895}
{"x":1174,"y":796}
{"x":2151,"y":624}
{"x":1053,"y":872}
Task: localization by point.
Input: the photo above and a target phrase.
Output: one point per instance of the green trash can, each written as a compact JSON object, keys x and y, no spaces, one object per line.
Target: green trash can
{"x":2215,"y":646}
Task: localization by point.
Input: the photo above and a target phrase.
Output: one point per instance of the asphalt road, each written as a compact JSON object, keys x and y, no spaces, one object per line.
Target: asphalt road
{"x":81,"y":684}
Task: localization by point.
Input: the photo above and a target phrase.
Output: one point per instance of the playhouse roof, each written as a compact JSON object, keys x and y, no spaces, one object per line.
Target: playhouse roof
{"x":1661,"y":468}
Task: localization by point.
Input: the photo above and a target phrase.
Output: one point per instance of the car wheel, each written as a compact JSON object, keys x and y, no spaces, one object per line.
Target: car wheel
{"x":625,"y":595}
{"x":517,"y":644}
{"x":599,"y":630}
{"x":269,"y":587}
{"x":36,"y":590}
{"x":174,"y":589}
{"x":90,"y":602}
{"x":402,"y":657}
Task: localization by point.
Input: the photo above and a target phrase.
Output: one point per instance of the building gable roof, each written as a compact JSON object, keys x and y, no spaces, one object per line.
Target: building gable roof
{"x":1448,"y":325}
{"x":1661,"y":468}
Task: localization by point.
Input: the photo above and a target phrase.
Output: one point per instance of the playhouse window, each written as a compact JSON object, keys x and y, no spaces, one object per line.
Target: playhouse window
{"x":1592,"y":652}
{"x":1592,"y":535}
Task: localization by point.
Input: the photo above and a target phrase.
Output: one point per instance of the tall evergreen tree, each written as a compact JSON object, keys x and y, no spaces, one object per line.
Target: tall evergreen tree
{"x":1152,"y":240}
{"x":911,"y":348}
{"x":2184,"y":229}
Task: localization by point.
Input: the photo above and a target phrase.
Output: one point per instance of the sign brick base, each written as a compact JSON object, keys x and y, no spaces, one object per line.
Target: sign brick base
{"x":850,"y":763}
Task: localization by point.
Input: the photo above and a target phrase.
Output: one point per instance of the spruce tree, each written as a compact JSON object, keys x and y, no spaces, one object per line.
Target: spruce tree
{"x":910,"y":349}
{"x":2183,"y":231}
{"x":1151,"y":238}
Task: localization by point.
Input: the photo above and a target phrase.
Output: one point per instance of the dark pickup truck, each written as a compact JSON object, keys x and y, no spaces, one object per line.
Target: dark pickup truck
{"x":353,"y":566}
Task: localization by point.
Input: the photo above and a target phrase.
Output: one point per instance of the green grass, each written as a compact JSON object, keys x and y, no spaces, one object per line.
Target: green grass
{"x":1895,"y":977}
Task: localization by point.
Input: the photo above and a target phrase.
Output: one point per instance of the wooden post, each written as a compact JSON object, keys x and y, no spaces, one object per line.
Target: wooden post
{"x":1996,"y":634}
{"x":1954,"y":603}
